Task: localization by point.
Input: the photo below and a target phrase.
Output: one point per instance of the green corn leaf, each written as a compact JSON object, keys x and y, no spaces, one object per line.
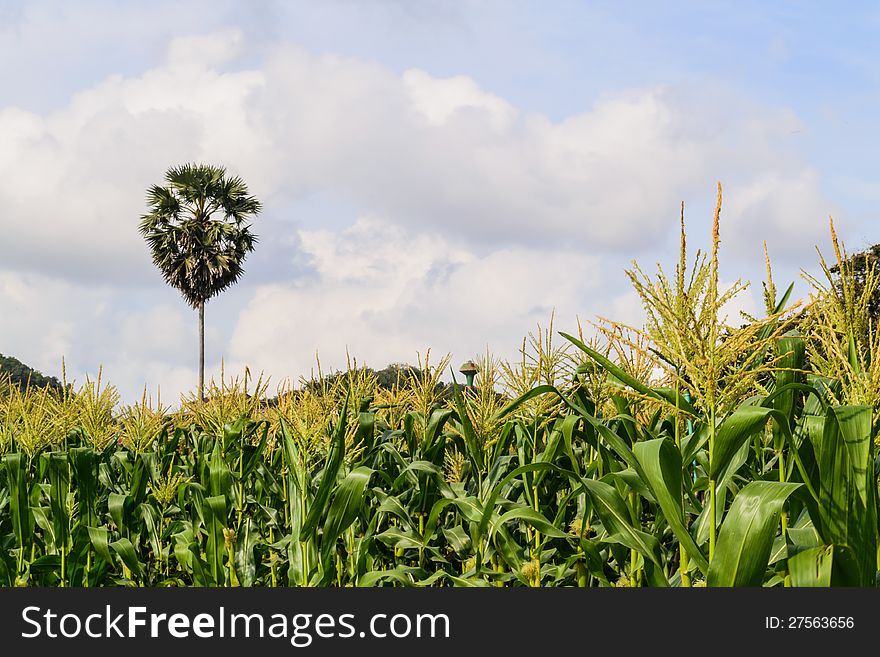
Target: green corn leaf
{"x":853,"y":355}
{"x":247,"y":538}
{"x":530,"y":517}
{"x":826,"y":565}
{"x":408,"y":474}
{"x":746,"y":536}
{"x":233,"y":433}
{"x":150,"y":517}
{"x":847,"y":513}
{"x":661,"y":394}
{"x":347,"y":504}
{"x":42,"y":517}
{"x":59,"y":481}
{"x":291,"y":456}
{"x":510,"y":552}
{"x":855,"y":431}
{"x":629,"y":478}
{"x":140,"y":477}
{"x":569,"y":427}
{"x":617,"y":444}
{"x":126,"y":552}
{"x":19,"y":494}
{"x":812,"y":567}
{"x":119,"y":506}
{"x":661,"y":462}
{"x":7,"y":569}
{"x":215,"y":523}
{"x":99,"y":537}
{"x":182,"y":553}
{"x":403,"y":575}
{"x":328,"y":478}
{"x":791,"y":350}
{"x":48,"y":564}
{"x":457,"y":538}
{"x":219,"y":473}
{"x":434,"y":429}
{"x":472,"y":443}
{"x":453,"y":579}
{"x":366,"y":429}
{"x":615,"y":517}
{"x":434,"y":517}
{"x":399,"y":538}
{"x":489,"y":507}
{"x":83,"y":463}
{"x":736,"y":429}
{"x":252,"y":455}
{"x":392,"y":504}
{"x":780,"y":306}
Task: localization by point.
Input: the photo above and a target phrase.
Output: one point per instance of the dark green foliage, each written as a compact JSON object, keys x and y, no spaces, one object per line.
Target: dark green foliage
{"x":198,"y":229}
{"x":862,"y":263}
{"x":391,"y":376}
{"x":21,"y":375}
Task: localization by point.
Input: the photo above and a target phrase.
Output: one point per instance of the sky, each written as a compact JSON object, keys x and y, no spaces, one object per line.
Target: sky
{"x":435,"y":175}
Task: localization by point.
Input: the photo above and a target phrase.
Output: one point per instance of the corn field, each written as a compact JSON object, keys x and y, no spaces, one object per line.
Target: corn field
{"x":693,"y":451}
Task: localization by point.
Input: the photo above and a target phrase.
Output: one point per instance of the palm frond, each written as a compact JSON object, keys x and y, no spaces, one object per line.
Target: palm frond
{"x":198,"y":230}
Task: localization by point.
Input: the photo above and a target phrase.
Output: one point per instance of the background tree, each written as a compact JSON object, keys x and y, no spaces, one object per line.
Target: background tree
{"x":861,"y":264}
{"x":15,"y":372}
{"x":198,"y":233}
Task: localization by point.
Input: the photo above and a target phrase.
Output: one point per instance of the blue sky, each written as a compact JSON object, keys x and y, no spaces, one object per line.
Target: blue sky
{"x":419,"y":163}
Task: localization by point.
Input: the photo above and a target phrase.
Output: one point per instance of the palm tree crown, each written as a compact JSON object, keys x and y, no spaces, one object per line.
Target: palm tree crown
{"x":197,"y":229}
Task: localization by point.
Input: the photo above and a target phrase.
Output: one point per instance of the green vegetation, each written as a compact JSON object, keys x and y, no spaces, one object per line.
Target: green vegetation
{"x":692,"y":452}
{"x":17,"y":373}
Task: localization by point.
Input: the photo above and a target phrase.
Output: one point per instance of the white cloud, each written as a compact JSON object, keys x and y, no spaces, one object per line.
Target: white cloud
{"x":385,"y":294}
{"x":442,"y":155}
{"x":477,"y":218}
{"x":45,"y":321}
{"x":439,"y":99}
{"x":204,"y":50}
{"x":75,"y":179}
{"x":41,"y":317}
{"x":785,"y":209}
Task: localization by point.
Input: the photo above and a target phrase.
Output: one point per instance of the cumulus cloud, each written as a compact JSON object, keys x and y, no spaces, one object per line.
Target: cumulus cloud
{"x":42,"y":318}
{"x":787,"y":210}
{"x":385,"y":294}
{"x":438,"y":100}
{"x":476,"y":218}
{"x":73,"y":182}
{"x":439,"y":154}
{"x":45,"y":321}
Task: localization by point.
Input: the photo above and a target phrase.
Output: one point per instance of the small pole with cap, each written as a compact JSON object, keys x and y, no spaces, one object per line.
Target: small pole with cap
{"x":469,"y":369}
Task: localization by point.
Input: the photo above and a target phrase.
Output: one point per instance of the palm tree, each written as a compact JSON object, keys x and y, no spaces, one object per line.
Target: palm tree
{"x":198,"y":233}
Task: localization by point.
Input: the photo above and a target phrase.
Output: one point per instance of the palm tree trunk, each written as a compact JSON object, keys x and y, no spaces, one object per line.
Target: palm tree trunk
{"x":202,"y":350}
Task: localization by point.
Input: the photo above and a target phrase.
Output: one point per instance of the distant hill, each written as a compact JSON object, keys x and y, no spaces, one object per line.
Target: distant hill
{"x":20,"y":374}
